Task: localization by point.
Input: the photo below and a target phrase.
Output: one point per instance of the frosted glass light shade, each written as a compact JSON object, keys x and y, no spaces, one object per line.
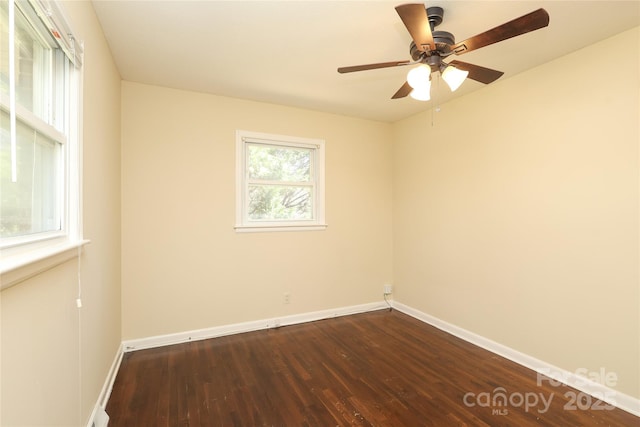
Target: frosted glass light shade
{"x":422,"y":94}
{"x":419,"y":77}
{"x":454,"y":77}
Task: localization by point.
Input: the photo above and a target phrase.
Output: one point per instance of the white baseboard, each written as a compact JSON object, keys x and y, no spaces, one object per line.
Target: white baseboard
{"x":99,"y":417}
{"x":599,"y":391}
{"x":238,"y":328}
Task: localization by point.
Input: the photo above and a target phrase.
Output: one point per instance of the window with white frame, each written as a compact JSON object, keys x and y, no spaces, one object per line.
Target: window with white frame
{"x":40,"y":97}
{"x":279,"y":183}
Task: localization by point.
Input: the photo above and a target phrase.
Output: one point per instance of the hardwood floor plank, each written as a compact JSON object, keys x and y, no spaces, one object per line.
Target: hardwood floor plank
{"x":373,"y":369}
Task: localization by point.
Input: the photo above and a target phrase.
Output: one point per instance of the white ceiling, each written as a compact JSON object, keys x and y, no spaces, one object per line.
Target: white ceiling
{"x":287,"y":52}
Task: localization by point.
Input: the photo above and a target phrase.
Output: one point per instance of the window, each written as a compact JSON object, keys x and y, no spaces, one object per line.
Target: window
{"x":280,"y":182}
{"x":40,"y":87}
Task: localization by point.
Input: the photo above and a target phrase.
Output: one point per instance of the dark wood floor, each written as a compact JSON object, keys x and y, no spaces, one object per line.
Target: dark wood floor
{"x":375,"y":369}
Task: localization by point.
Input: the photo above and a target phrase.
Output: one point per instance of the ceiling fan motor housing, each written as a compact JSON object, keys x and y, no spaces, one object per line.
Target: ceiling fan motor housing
{"x":443,"y":41}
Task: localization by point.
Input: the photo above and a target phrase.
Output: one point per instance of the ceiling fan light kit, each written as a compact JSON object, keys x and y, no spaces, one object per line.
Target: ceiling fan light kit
{"x":454,"y":77}
{"x":419,"y":77}
{"x":429,"y":47}
{"x":422,"y":93}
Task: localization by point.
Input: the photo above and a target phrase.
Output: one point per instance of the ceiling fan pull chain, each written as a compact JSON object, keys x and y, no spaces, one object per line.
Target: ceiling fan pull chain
{"x":435,"y":108}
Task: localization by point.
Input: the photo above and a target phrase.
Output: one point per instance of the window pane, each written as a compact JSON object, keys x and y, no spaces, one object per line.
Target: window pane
{"x":275,"y":202}
{"x":4,"y":48}
{"x":32,"y":65}
{"x":29,"y":205}
{"x":276,"y":163}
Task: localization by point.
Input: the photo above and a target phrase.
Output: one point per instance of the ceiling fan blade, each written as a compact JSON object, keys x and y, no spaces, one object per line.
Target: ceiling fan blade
{"x":478,"y":73}
{"x":403,"y":91}
{"x":353,"y":68}
{"x":529,"y":22}
{"x":414,"y":17}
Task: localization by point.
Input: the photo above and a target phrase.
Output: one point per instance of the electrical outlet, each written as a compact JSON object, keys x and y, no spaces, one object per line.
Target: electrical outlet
{"x":388,"y":289}
{"x":286,"y":298}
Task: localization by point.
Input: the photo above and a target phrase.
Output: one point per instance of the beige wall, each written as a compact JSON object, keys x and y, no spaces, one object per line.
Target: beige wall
{"x":183,"y":265}
{"x":55,"y":357}
{"x":516,"y":213}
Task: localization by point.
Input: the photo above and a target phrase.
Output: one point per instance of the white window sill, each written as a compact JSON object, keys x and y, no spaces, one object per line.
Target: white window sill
{"x":270,"y":228}
{"x":19,"y":267}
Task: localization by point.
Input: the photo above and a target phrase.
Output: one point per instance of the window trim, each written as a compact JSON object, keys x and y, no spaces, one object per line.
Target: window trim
{"x":243,"y":224}
{"x":16,"y":269}
{"x":25,"y":257}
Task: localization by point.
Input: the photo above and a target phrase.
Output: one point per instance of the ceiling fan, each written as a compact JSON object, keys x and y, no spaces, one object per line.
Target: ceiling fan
{"x":429,"y":48}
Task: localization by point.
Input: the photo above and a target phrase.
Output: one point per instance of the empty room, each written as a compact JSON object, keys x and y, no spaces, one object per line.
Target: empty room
{"x":319,"y":213}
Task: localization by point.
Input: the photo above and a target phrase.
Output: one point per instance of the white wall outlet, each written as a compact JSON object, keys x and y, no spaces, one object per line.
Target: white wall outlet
{"x":388,"y":289}
{"x":286,"y":298}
